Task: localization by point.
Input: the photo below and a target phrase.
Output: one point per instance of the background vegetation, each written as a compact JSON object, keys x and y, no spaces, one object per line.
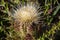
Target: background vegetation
{"x":50,"y":21}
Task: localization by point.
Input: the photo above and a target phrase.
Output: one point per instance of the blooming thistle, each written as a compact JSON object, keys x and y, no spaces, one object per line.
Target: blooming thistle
{"x":25,"y":15}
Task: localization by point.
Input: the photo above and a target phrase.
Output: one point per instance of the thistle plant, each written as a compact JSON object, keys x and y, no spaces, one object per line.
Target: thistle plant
{"x":23,"y":17}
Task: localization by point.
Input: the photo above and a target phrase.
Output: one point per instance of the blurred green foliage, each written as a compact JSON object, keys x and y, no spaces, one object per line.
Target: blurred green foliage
{"x":51,"y":19}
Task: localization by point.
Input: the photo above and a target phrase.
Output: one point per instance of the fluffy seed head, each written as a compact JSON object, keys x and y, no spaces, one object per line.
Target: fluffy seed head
{"x":26,"y":14}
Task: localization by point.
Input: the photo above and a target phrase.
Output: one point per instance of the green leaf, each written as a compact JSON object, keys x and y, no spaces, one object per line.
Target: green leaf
{"x":54,"y":13}
{"x":57,"y":9}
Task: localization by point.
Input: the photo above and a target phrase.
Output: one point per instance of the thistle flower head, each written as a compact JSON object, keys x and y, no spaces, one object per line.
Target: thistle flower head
{"x":26,"y":14}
